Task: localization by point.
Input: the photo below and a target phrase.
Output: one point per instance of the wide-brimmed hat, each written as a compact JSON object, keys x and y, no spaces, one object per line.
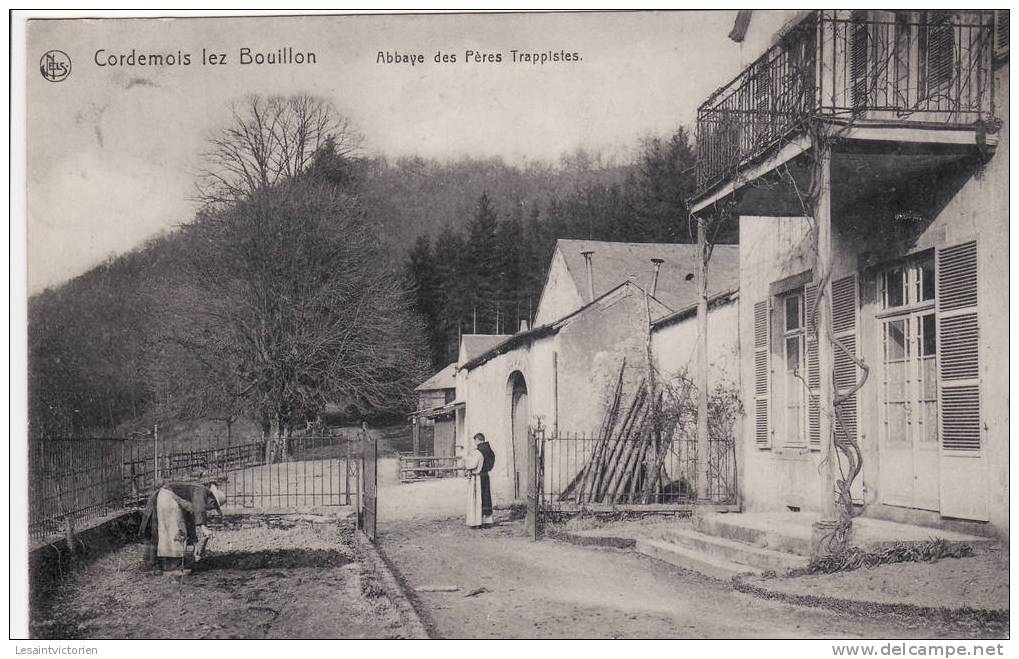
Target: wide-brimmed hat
{"x":217,"y":493}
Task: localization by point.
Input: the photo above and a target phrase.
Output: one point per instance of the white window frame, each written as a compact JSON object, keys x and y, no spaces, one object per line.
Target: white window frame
{"x":911,"y":312}
{"x":794,"y":380}
{"x":912,"y":285}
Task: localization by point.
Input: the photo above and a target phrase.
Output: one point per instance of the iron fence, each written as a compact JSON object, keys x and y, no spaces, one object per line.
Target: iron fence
{"x":920,"y":67}
{"x":74,"y":482}
{"x":577,"y":471}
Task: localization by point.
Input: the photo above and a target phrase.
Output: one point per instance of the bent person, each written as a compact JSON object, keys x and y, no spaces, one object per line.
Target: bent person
{"x":175,"y":516}
{"x":479,"y":463}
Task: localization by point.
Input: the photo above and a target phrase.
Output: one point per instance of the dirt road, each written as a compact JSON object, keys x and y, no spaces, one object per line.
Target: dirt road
{"x":551,"y":589}
{"x":265,"y":577}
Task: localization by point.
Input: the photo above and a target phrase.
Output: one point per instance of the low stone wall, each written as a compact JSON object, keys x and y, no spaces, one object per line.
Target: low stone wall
{"x":48,"y":563}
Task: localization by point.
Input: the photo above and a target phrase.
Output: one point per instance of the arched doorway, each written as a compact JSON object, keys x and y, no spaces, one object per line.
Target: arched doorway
{"x":519,"y":415}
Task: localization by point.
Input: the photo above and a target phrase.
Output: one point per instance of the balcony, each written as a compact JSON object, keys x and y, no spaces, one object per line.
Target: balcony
{"x":924,"y":69}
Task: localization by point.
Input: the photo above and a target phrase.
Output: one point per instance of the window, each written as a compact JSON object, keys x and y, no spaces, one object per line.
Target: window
{"x":928,"y":331}
{"x":894,"y":288}
{"x":908,"y":284}
{"x":794,"y":369}
{"x":925,"y":280}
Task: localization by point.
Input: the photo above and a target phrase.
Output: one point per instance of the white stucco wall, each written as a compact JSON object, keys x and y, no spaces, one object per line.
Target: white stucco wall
{"x":588,"y":351}
{"x":675,"y":345}
{"x":489,"y":404}
{"x":592,"y":348}
{"x":771,"y":248}
{"x":560,"y":296}
{"x":992,"y":194}
{"x":967,"y":201}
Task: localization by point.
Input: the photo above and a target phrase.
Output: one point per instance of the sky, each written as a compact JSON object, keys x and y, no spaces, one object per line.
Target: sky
{"x":113,"y":151}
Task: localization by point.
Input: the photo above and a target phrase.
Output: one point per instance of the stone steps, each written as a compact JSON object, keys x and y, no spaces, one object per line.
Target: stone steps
{"x":724,"y":545}
{"x":734,"y":551}
{"x":691,"y":559}
{"x":776,"y":541}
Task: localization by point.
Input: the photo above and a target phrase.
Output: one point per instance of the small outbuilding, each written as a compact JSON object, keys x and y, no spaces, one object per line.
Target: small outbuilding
{"x":435,"y":416}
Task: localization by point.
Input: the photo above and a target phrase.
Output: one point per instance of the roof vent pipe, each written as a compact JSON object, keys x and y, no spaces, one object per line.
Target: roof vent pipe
{"x":587,"y":253}
{"x":657,"y":263}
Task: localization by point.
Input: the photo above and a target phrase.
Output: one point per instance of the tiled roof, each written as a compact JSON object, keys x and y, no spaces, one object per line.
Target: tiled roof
{"x":476,"y":344}
{"x":614,"y":263}
{"x":444,"y":379}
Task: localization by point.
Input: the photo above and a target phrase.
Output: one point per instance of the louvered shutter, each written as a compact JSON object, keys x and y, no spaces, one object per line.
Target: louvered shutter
{"x":963,"y":486}
{"x":843,"y":320}
{"x":1000,"y":32}
{"x":762,"y":437}
{"x":937,"y":53}
{"x":959,"y":343}
{"x":813,"y":370}
{"x":859,"y":54}
{"x":763,"y":104}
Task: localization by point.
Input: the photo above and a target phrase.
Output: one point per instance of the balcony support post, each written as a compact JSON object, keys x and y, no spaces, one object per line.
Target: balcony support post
{"x":825,"y":351}
{"x":702,"y":361}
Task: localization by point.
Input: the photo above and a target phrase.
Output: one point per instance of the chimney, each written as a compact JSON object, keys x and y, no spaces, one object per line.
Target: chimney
{"x":657,"y":263}
{"x":523,"y":325}
{"x":587,"y":253}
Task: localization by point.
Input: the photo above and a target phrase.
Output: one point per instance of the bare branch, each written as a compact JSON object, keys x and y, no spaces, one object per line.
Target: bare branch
{"x":270,"y":140}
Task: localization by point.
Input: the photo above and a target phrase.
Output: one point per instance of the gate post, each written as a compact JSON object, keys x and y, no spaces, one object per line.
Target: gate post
{"x":369,"y":482}
{"x":359,"y":506}
{"x":534,"y":436}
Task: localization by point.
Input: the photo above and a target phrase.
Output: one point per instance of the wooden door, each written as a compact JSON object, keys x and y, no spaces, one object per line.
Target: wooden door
{"x":520,"y":415}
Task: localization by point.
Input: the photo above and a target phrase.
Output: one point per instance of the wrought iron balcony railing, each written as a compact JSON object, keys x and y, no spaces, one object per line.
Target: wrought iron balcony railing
{"x":850,"y":66}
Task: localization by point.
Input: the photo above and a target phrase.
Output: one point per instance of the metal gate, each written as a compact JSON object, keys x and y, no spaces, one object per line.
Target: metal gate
{"x":368,"y":504}
{"x":309,"y":472}
{"x":300,"y":474}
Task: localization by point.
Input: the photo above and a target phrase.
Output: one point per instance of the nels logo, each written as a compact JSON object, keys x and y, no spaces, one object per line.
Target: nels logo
{"x":55,"y":65}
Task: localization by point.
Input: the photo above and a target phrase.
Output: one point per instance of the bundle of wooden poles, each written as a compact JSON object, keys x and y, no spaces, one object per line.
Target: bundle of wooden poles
{"x":627,"y":464}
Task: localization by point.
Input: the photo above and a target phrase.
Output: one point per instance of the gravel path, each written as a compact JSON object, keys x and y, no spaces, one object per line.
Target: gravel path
{"x":551,"y":589}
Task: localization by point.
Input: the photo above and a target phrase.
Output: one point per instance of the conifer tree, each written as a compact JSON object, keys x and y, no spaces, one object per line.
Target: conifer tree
{"x":483,"y":266}
{"x":454,"y":312}
{"x":424,"y":273}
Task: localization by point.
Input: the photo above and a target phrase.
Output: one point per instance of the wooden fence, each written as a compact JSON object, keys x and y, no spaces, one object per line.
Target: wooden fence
{"x":421,"y":467}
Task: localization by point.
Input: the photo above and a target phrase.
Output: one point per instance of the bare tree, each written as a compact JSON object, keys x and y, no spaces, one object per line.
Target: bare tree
{"x":296,"y":306}
{"x":270,"y":139}
{"x":190,"y":381}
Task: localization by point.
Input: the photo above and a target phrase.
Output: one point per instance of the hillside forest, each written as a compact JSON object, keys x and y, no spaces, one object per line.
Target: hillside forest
{"x":328,"y":279}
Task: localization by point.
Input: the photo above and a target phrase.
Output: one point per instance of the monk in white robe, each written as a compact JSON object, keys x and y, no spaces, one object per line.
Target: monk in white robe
{"x":478,"y":463}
